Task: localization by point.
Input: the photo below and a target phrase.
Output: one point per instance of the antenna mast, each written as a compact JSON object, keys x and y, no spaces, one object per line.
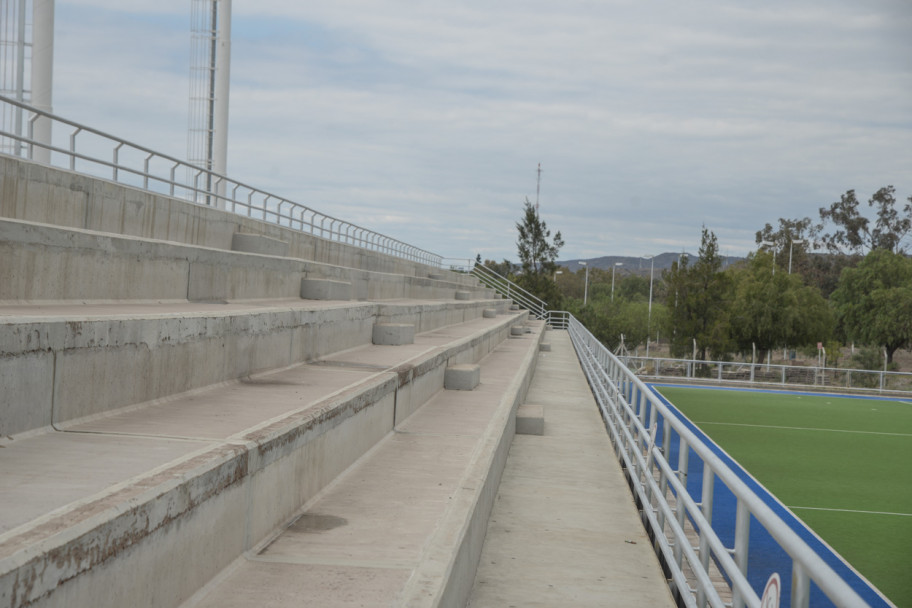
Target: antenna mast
{"x":537,"y":188}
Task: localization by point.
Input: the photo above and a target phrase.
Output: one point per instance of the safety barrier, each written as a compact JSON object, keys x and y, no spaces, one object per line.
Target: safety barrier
{"x":703,"y":570}
{"x":727,"y":372}
{"x":100,"y":154}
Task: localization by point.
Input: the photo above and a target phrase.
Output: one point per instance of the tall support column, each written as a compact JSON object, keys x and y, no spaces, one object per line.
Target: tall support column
{"x":210,"y":73}
{"x":220,"y":107}
{"x":42,"y":74}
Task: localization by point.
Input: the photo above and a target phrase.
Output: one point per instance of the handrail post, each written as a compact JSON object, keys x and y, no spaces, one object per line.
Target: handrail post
{"x":73,"y":148}
{"x":116,"y":160}
{"x":742,"y":538}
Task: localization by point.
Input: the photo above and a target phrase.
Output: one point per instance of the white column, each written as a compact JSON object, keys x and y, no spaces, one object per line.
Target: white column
{"x":42,"y":73}
{"x":222,"y":79}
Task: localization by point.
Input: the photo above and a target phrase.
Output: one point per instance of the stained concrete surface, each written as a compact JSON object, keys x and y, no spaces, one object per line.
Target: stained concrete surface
{"x":564,"y":530}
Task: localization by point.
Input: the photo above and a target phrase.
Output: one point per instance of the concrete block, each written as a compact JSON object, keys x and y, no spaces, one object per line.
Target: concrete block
{"x":462,"y":377}
{"x":325,"y":289}
{"x":545,"y":347}
{"x":517,"y":330}
{"x":531,"y":316}
{"x":514,"y":307}
{"x":489,"y":313}
{"x":257,"y":243}
{"x":393,"y":334}
{"x":463,"y":295}
{"x":530,"y":420}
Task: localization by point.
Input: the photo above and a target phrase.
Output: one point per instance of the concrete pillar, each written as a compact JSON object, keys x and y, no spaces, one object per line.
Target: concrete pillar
{"x":462,"y":377}
{"x":530,"y":420}
{"x":393,"y":334}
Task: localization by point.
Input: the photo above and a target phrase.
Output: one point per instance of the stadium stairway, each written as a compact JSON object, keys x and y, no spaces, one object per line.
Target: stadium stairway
{"x":184,"y":387}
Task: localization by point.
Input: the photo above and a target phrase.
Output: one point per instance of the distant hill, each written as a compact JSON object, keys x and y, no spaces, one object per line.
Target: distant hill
{"x":636,"y":265}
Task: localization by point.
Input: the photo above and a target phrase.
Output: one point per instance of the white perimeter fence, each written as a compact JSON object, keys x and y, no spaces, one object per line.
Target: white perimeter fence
{"x":824,"y":378}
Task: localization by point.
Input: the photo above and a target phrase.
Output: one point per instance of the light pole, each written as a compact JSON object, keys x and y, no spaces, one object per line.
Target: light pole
{"x":586,"y":288}
{"x":800,"y":242}
{"x":772,"y":244}
{"x":651,"y":259}
{"x":616,"y":264}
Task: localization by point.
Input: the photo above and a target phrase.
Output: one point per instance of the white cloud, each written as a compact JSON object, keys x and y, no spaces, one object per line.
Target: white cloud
{"x":427,"y":121}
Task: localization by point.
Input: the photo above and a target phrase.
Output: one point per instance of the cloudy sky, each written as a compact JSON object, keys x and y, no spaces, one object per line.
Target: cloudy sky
{"x":426,"y":120}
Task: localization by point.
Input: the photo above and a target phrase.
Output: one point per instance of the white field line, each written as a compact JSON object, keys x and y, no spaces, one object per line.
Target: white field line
{"x":853,"y":511}
{"x":801,"y":428}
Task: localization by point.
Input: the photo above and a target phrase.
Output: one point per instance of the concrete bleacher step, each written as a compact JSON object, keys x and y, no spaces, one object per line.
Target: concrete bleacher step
{"x":142,"y":506}
{"x":42,"y":262}
{"x":64,"y":362}
{"x":404,"y":525}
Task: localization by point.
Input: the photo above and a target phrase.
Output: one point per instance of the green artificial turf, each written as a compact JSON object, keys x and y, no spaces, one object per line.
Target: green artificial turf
{"x":843,"y":465}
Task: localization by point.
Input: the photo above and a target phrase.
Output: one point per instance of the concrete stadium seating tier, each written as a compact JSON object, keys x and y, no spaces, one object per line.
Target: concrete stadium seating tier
{"x":170,"y":402}
{"x":48,"y":195}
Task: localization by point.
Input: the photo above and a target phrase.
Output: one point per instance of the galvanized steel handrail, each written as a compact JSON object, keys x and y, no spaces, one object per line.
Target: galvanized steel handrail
{"x":624,"y":401}
{"x":510,"y":290}
{"x":202,"y":186}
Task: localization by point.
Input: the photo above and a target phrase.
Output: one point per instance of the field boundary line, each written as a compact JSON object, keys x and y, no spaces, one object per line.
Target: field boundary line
{"x":853,"y":511}
{"x":803,"y":428}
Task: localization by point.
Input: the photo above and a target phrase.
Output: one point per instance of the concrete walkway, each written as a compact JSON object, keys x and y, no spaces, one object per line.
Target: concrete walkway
{"x":564,"y":530}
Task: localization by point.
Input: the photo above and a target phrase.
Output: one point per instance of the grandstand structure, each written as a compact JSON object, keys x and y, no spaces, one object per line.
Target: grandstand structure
{"x":255,"y":402}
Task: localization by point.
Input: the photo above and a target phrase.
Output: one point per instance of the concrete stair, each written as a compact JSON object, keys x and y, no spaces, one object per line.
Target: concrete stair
{"x":173,"y":413}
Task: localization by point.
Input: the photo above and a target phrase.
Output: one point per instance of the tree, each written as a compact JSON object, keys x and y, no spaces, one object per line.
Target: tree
{"x":696,"y":298}
{"x":874,"y":301}
{"x":771,"y":310}
{"x":854,"y":233}
{"x":790,"y":241}
{"x":537,"y":255}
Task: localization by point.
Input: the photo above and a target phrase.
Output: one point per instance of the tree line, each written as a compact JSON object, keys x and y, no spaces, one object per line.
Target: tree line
{"x":845,"y":278}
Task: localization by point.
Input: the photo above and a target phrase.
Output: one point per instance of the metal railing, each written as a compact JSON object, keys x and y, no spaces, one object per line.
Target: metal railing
{"x":510,"y":290}
{"x":100,"y":154}
{"x":659,"y":451}
{"x":727,"y":372}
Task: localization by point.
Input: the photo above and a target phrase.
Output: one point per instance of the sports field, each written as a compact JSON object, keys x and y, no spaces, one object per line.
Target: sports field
{"x":841,"y":464}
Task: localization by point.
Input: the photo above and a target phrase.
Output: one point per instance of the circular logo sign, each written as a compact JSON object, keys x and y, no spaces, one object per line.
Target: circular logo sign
{"x":771,"y":592}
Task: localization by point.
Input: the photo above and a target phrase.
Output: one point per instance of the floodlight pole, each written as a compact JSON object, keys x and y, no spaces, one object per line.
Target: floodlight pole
{"x":772,"y":244}
{"x":651,"y":259}
{"x":616,"y":264}
{"x":586,"y":288}
{"x":791,"y":243}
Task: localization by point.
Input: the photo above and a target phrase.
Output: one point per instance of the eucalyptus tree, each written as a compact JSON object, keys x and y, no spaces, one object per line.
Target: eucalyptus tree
{"x":855,"y":234}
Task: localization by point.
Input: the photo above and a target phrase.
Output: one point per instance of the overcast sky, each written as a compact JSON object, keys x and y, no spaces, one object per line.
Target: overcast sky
{"x":426,"y":120}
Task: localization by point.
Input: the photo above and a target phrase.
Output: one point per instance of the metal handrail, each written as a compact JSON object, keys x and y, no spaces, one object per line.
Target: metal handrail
{"x":510,"y":290}
{"x":157,"y":169}
{"x":625,"y":403}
